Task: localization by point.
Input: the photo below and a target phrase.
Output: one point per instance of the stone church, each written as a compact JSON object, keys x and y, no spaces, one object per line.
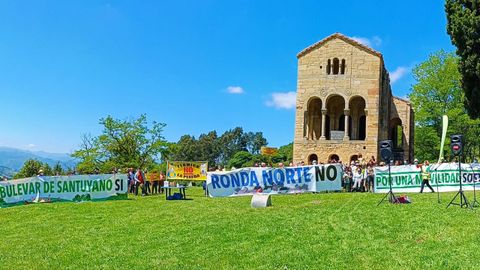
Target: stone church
{"x":345,"y":105}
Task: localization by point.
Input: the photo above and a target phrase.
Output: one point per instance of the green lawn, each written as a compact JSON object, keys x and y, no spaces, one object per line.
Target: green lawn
{"x":310,"y":231}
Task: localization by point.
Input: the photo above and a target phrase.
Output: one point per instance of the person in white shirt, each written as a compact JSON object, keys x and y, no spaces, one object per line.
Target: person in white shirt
{"x":357,"y":178}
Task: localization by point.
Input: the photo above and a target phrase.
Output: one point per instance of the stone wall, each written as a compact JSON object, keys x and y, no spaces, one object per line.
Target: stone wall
{"x":364,"y":76}
{"x":402,"y":109}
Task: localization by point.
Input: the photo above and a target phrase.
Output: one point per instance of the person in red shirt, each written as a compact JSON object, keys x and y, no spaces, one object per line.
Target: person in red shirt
{"x":139,"y":182}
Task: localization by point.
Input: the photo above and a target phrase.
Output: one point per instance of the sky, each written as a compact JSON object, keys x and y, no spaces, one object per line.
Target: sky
{"x":195,"y":65}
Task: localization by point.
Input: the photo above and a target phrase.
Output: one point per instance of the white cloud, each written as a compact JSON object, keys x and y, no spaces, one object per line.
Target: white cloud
{"x":235,"y":90}
{"x":397,"y":74}
{"x":375,"y":41}
{"x":282,"y":100}
{"x":30,"y":145}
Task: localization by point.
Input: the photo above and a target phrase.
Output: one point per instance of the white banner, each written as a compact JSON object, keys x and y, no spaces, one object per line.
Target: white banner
{"x":247,"y":181}
{"x":408,"y":178}
{"x":63,"y":188}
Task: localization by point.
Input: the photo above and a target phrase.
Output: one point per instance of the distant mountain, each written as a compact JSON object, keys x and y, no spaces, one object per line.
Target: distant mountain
{"x":13,"y":158}
{"x":5,"y":171}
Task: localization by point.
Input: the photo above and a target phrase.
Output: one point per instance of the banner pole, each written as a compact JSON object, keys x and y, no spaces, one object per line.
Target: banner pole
{"x":166,"y":172}
{"x":442,"y":143}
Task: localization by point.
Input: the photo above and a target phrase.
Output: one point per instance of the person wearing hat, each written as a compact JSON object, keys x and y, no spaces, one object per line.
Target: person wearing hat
{"x":40,"y":173}
{"x":425,"y":176}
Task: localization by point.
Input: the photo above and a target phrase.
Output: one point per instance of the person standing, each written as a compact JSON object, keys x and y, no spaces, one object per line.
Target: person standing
{"x":139,"y":182}
{"x":347,"y":179}
{"x":162,"y":182}
{"x":425,"y":176}
{"x":357,"y":178}
{"x":155,"y":184}
{"x":370,"y":178}
{"x":131,"y":180}
{"x":147,"y":182}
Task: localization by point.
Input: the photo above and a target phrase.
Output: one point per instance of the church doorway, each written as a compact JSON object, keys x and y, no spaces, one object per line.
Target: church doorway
{"x":311,"y":158}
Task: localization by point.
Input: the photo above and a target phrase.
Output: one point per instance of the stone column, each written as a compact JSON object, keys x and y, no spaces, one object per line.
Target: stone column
{"x":324,"y":114}
{"x":347,"y":114}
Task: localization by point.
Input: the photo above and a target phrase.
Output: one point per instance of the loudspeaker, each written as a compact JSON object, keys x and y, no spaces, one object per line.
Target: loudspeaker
{"x":386,"y":150}
{"x":456,"y":144}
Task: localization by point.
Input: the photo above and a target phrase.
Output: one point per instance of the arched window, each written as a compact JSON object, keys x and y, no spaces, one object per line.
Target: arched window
{"x":333,"y":158}
{"x":329,"y":66}
{"x":336,"y":63}
{"x":342,"y":68}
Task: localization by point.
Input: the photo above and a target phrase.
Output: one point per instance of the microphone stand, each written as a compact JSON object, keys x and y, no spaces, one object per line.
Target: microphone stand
{"x":475,"y":203}
{"x":390,"y":195}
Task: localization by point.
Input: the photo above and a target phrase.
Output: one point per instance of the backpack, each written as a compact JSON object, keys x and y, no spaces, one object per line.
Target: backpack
{"x":403,"y":199}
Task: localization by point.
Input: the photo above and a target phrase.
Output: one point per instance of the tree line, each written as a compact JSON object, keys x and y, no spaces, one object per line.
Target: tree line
{"x":136,"y":144}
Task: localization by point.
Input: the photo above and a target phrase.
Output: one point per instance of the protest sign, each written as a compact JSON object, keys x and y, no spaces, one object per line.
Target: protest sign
{"x":408,"y":178}
{"x":248,"y":181}
{"x":63,"y":188}
{"x":191,"y":171}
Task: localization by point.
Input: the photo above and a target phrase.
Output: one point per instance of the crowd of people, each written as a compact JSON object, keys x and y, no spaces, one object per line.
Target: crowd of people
{"x":358,"y":175}
{"x":137,"y":180}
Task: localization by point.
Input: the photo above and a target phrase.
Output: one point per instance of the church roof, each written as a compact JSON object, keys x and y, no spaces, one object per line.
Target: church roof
{"x":342,"y":37}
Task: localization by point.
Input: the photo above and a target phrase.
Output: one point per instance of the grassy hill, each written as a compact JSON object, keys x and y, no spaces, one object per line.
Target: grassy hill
{"x":311,"y":231}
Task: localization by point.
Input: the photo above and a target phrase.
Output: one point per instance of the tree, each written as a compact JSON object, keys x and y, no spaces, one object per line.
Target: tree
{"x":231,"y":142}
{"x":32,"y":167}
{"x":209,"y":148}
{"x":240,"y":159}
{"x":57,"y":169}
{"x":286,"y":151}
{"x":47,"y":170}
{"x":185,"y":149}
{"x":463,"y":26}
{"x":122,"y":144}
{"x":131,"y":143}
{"x":255,"y":141}
{"x":437,"y":91}
{"x":88,"y":154}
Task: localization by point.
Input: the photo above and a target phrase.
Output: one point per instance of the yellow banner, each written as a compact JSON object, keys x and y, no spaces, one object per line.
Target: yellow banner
{"x":185,"y":170}
{"x":268,"y":151}
{"x":153,"y":176}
